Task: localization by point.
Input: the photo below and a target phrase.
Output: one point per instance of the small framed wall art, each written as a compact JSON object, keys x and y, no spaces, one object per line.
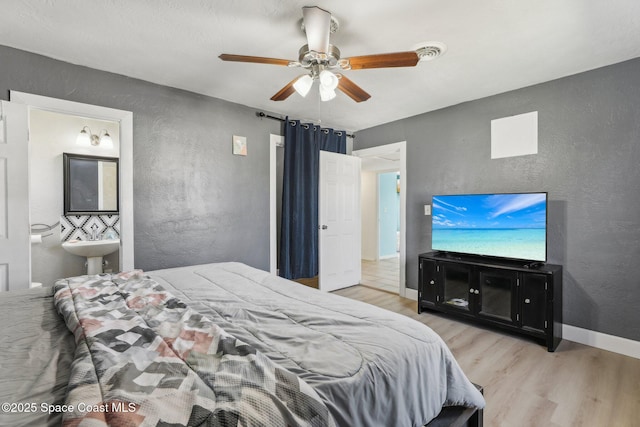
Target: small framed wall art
{"x":239,"y":145}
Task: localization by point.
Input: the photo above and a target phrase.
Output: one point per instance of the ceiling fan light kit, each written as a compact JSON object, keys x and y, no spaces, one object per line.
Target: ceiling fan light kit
{"x":321,"y":59}
{"x":303,"y":85}
{"x":328,"y":79}
{"x":326,"y":94}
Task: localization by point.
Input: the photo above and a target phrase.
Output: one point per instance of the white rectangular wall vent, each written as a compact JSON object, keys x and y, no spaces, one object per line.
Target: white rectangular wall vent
{"x":514,"y":136}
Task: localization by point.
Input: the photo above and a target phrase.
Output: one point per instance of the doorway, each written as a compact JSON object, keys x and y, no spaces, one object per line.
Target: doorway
{"x":383,"y":269}
{"x":343,"y":197}
{"x":394,"y":150}
{"x":125,"y":121}
{"x":50,"y":135}
{"x":381,"y":262}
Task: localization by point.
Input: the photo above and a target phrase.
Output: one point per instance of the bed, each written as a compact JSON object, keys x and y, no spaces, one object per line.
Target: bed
{"x":220,"y":345}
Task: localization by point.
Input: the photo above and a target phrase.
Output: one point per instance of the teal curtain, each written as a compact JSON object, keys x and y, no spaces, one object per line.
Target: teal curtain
{"x":299,"y":227}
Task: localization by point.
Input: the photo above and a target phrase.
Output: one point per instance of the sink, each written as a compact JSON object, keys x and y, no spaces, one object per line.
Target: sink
{"x":93,"y":250}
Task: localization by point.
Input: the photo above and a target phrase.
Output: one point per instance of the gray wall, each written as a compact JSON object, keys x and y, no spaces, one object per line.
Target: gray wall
{"x":194,"y":202}
{"x":588,"y":161}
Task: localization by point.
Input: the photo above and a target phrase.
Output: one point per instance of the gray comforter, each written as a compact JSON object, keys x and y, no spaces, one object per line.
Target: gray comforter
{"x":370,"y":366}
{"x":144,"y":358}
{"x":35,"y":356}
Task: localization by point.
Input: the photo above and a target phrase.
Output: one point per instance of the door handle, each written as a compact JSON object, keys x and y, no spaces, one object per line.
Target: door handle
{"x":324,"y":227}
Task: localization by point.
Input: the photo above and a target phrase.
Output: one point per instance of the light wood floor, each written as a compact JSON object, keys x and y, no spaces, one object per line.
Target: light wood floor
{"x":383,"y":274}
{"x":524,"y":385}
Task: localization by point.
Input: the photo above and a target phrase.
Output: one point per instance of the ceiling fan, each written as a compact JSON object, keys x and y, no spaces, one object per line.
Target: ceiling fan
{"x":322,"y":59}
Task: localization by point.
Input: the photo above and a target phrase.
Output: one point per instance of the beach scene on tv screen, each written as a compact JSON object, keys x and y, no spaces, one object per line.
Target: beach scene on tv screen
{"x":502,"y":225}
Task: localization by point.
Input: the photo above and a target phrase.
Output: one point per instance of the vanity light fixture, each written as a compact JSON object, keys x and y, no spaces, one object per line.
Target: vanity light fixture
{"x":87,"y":139}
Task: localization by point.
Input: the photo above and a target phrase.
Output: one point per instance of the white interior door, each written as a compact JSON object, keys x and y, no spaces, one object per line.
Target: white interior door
{"x":339,"y":219}
{"x":15,"y":250}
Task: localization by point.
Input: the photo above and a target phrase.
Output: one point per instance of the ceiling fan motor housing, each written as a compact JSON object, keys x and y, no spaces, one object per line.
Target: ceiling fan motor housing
{"x":307,"y":57}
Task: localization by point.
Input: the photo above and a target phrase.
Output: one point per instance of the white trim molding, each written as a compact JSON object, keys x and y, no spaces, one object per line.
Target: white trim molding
{"x":602,"y":341}
{"x":412,"y":294}
{"x":381,"y":150}
{"x":275,"y":141}
{"x":125,"y":118}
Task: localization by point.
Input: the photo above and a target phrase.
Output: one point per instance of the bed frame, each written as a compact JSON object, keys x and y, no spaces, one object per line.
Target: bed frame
{"x":458,"y":416}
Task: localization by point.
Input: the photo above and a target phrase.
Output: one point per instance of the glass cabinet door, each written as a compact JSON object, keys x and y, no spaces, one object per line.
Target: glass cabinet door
{"x":456,"y":280}
{"x":497,"y":294}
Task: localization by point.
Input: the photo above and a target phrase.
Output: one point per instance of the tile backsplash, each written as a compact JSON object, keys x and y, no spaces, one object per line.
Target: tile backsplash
{"x":78,"y":227}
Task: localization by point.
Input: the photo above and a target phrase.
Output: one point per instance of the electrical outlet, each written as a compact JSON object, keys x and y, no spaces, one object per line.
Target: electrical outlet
{"x":427,"y":209}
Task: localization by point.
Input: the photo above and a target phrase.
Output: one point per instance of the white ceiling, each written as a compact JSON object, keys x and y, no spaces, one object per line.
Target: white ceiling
{"x":493,"y":46}
{"x":385,"y":162}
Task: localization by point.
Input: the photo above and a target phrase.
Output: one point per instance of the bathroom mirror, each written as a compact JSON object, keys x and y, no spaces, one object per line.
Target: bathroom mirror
{"x":90,"y":185}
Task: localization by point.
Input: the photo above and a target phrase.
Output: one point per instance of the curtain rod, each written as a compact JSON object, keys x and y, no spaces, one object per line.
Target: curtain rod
{"x":262,"y":114}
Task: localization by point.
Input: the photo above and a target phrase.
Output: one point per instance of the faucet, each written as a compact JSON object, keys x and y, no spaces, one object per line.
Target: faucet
{"x":94,"y":232}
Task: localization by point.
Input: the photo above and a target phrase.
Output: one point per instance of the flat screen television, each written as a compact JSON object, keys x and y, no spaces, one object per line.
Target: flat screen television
{"x":505,"y":225}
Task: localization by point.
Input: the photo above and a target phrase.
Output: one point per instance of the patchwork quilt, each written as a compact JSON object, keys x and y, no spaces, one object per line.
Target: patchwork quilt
{"x":145,"y":358}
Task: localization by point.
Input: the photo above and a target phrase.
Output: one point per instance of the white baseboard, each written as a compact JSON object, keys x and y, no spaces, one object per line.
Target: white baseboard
{"x":411,"y":294}
{"x":588,"y":337}
{"x":602,"y":341}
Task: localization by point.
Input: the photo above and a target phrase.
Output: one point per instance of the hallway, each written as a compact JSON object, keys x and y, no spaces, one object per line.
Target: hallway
{"x":383,"y":274}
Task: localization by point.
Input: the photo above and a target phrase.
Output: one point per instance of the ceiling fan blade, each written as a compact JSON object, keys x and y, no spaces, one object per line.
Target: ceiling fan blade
{"x":285,"y":92}
{"x":351,"y":89}
{"x":384,"y":60}
{"x":254,"y":59}
{"x":317,"y":24}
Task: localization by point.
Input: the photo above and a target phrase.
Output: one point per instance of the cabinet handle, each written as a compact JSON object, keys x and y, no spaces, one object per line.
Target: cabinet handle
{"x":477,"y":292}
{"x":471,"y":290}
{"x":527,"y":301}
{"x":432,"y":282}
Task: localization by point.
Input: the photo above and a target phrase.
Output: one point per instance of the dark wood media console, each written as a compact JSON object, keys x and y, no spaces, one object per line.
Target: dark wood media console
{"x":515,"y":296}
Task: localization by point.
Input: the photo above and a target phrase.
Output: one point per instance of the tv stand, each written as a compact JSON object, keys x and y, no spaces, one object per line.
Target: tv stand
{"x":519,"y":297}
